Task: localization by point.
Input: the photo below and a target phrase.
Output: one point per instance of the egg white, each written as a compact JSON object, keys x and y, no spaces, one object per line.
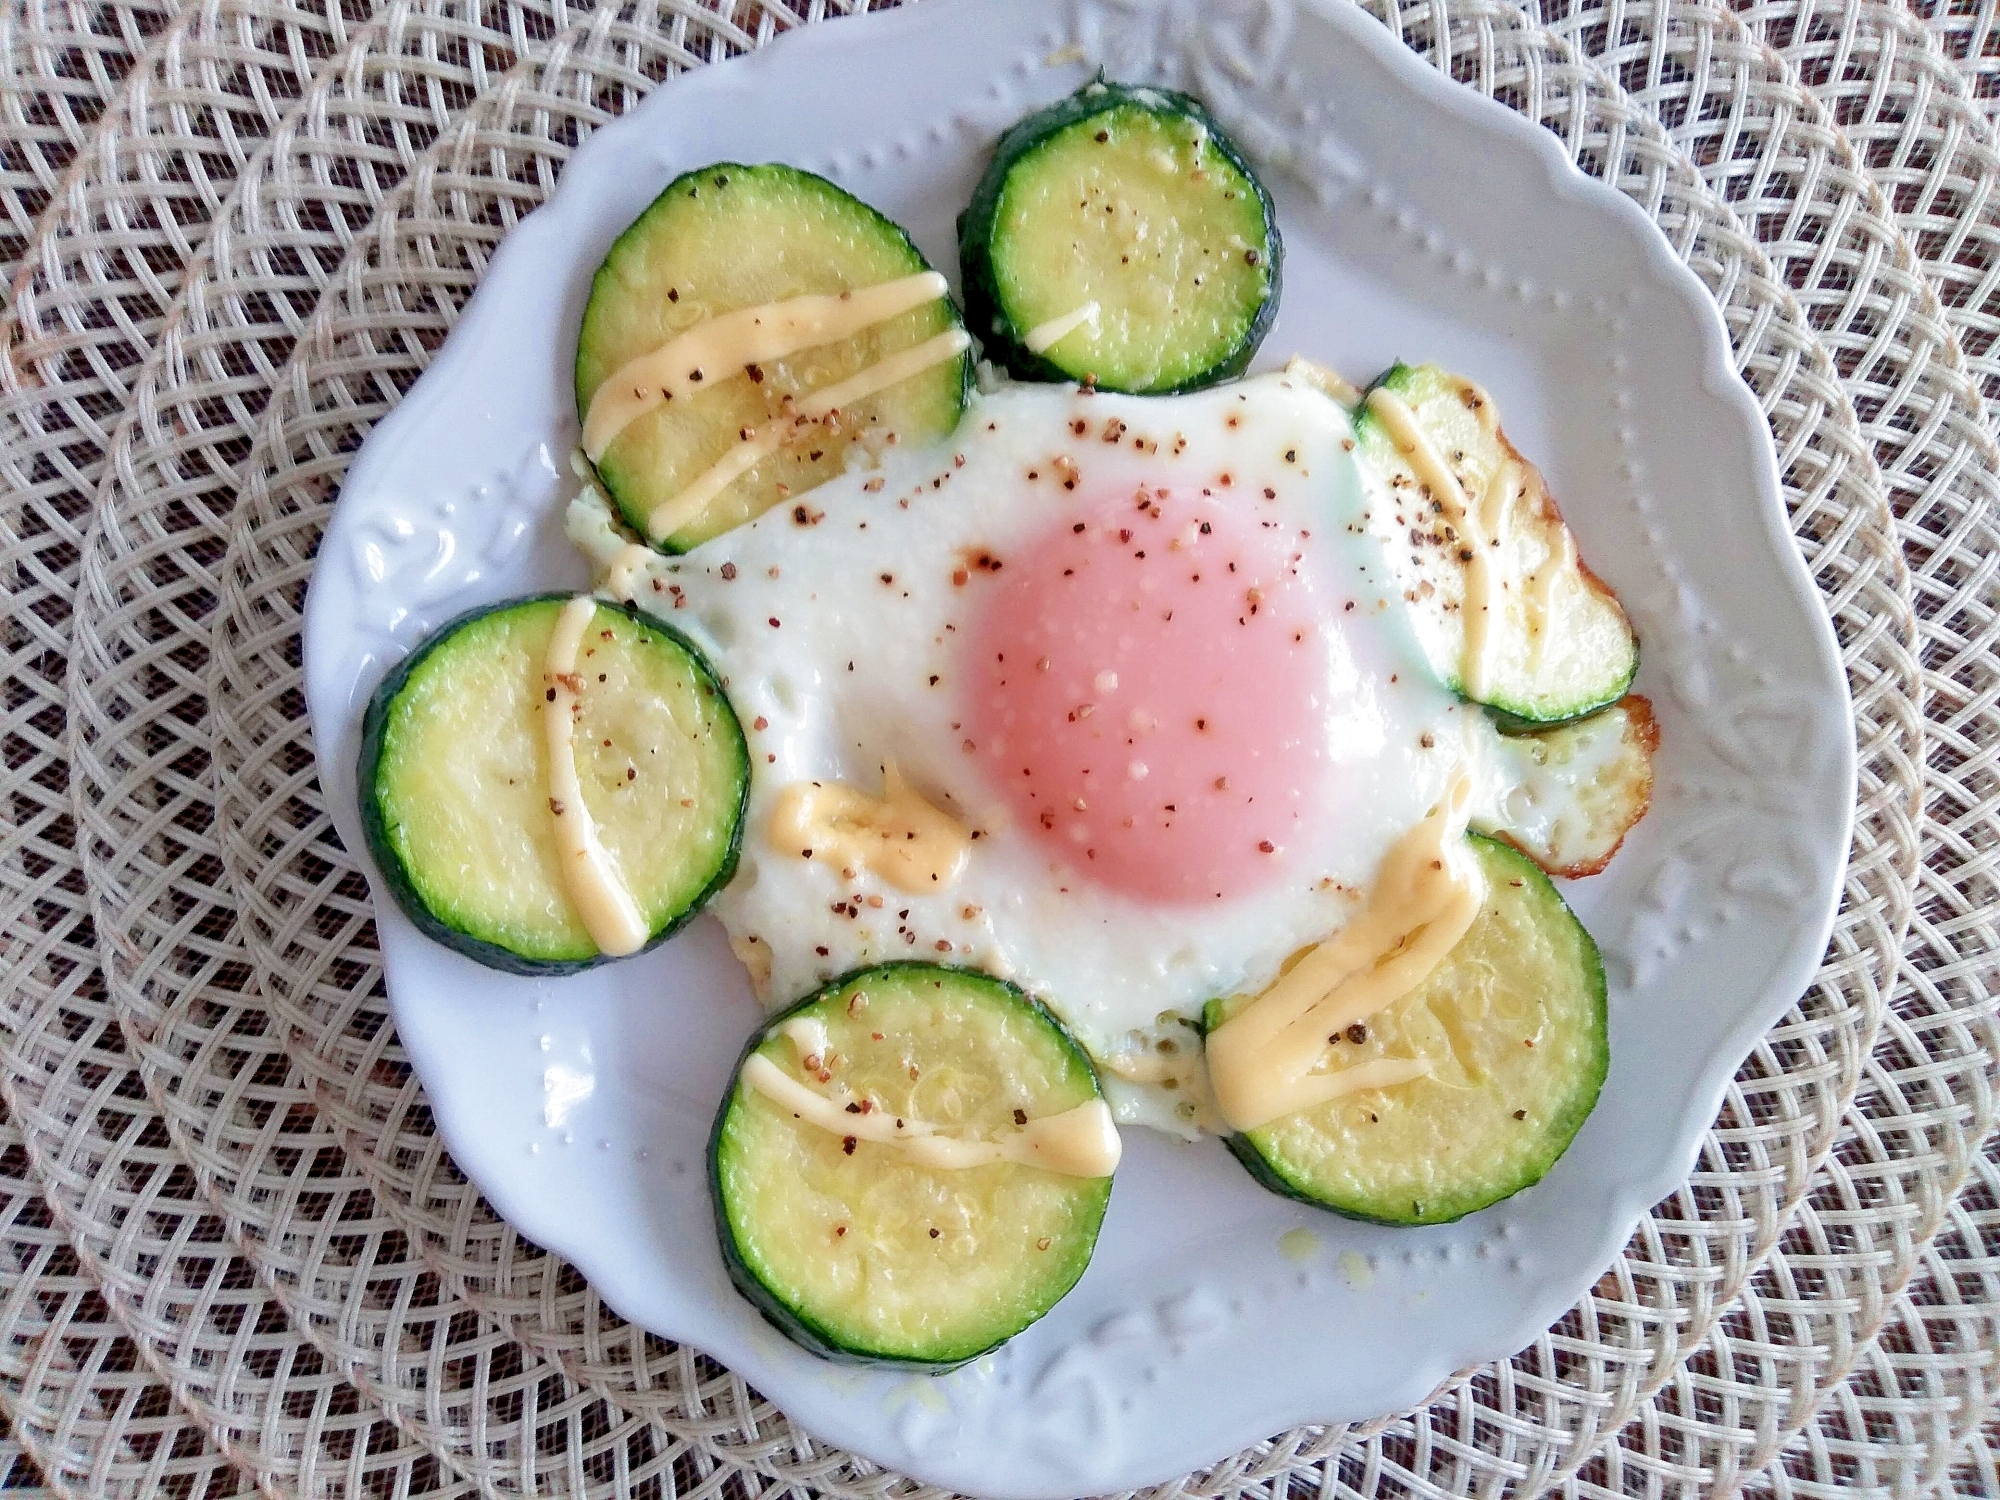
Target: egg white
{"x":834,"y":672}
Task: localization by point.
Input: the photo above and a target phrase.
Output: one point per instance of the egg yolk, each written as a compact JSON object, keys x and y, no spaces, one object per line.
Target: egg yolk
{"x":1148,"y":695}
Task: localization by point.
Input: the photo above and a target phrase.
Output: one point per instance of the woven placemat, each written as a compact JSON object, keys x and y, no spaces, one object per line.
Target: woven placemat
{"x":236,"y":1255}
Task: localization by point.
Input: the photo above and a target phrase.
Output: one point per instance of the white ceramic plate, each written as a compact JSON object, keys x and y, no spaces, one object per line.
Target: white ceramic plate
{"x":1419,"y":220}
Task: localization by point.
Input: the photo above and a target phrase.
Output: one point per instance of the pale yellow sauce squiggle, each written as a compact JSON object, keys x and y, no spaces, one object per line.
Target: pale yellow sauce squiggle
{"x":1263,"y":1061}
{"x":1435,"y":475}
{"x":723,"y":346}
{"x":1538,"y":597}
{"x":1326,"y":380}
{"x":1541,"y":592}
{"x":621,"y":574}
{"x":610,"y":915}
{"x":1045,"y":336}
{"x":1079,"y":1142}
{"x":685,"y":508}
{"x":899,"y":836}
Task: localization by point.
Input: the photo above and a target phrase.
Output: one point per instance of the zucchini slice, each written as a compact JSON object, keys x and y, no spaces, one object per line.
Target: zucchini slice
{"x":729,"y":237}
{"x":1575,"y":791}
{"x":1513,"y":1022}
{"x":1119,"y":238}
{"x":1505,"y":611}
{"x":861,"y":1250}
{"x":456,"y":794}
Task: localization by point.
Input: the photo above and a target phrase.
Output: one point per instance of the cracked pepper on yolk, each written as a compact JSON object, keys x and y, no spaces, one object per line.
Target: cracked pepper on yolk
{"x":1146,"y":696}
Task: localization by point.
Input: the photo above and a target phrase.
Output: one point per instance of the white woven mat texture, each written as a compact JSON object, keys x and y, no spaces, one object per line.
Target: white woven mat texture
{"x":234,"y":1256}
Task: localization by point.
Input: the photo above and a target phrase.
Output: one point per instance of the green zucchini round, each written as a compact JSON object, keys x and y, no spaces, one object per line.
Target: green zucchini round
{"x":1133,"y":199}
{"x":1516,"y":1017}
{"x":454,"y":781}
{"x":730,"y":236}
{"x":859,"y":1253}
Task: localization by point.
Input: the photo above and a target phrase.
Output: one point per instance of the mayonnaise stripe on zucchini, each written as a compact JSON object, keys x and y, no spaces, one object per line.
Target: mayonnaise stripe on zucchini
{"x":728,"y":345}
{"x":803,"y":420}
{"x":595,"y":887}
{"x":1079,"y":1142}
{"x":1475,"y":527}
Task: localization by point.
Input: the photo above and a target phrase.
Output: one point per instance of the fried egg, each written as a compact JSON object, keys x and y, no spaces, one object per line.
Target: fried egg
{"x":1137,"y":659}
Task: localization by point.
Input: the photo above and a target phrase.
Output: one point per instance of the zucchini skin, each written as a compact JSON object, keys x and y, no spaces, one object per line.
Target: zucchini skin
{"x":1514,"y":721}
{"x":599,"y":279}
{"x":793,"y":1324}
{"x":375,"y":828}
{"x":1510,"y":721}
{"x":983,"y":314}
{"x":1245,"y":1151}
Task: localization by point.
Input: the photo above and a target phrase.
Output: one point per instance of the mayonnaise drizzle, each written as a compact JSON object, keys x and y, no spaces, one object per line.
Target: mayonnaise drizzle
{"x":609,"y":913}
{"x":722,"y":346}
{"x":1044,"y":336}
{"x":1471,"y":525}
{"x":1492,"y":507}
{"x":1539,"y":596}
{"x":1262,"y":1060}
{"x":1541,"y":592}
{"x":809,"y":1036}
{"x":1142,"y":1067}
{"x":1325,"y":379}
{"x":1079,"y":1142}
{"x":621,"y":574}
{"x":899,"y":836}
{"x":686,"y":507}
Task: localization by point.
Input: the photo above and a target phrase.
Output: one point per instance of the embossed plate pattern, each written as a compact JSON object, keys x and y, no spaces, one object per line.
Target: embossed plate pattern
{"x":1420,"y":220}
